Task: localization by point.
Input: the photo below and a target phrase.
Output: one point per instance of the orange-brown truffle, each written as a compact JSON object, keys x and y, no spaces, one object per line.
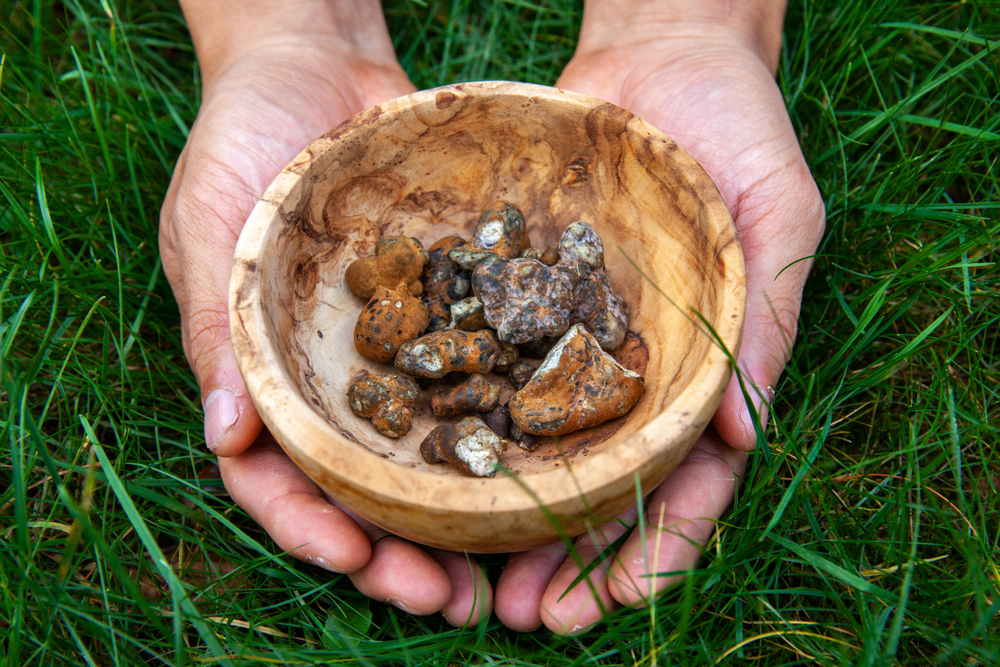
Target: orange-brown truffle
{"x":445,"y":282}
{"x":578,"y":386}
{"x":476,"y":394}
{"x":471,"y":447}
{"x":498,"y":234}
{"x":388,"y":321}
{"x":442,"y":352}
{"x":397,"y":265}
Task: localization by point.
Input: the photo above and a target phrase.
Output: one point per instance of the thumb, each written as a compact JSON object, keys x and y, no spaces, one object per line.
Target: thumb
{"x":197,"y":247}
{"x":778,"y":241}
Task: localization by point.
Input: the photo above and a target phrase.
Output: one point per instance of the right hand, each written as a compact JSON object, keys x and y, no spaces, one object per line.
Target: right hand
{"x":702,"y":71}
{"x":276,"y":76}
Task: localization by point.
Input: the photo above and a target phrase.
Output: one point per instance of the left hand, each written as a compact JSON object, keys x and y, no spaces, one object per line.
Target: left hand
{"x":276,"y":75}
{"x":709,"y":85}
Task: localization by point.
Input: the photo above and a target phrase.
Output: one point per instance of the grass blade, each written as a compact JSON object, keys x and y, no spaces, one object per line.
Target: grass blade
{"x":829,"y":567}
{"x":160,"y":562}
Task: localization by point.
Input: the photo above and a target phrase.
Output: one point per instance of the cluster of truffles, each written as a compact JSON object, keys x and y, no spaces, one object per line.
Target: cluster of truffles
{"x":555,"y":303}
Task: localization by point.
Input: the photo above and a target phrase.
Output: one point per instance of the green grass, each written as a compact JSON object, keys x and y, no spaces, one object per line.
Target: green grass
{"x":866,"y":535}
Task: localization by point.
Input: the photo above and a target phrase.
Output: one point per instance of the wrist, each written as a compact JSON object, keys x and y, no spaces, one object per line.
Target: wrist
{"x":225,"y":30}
{"x":755,"y":25}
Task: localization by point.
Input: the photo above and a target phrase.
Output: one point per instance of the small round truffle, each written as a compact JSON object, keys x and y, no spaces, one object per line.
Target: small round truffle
{"x":386,"y":322}
{"x":397,"y":265}
{"x":499,"y":233}
{"x":387,"y":399}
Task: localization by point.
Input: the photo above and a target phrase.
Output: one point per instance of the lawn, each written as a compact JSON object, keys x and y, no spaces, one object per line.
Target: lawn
{"x":865,"y":532}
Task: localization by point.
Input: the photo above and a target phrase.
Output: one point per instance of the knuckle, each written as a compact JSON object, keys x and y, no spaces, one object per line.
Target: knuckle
{"x":207,"y":331}
{"x":710,"y":459}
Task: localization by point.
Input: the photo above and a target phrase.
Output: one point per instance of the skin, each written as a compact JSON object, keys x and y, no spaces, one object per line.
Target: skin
{"x":278,"y":74}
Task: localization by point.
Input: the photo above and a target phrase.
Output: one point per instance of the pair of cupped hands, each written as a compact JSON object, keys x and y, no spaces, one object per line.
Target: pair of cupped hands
{"x":707,"y":85}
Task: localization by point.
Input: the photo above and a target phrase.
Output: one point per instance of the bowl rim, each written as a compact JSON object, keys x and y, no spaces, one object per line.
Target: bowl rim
{"x":295,"y":424}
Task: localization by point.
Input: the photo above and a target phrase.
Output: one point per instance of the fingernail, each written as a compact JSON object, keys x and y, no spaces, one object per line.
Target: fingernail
{"x":579,"y":629}
{"x":221,"y":412}
{"x":323,"y":563}
{"x":400,"y":605}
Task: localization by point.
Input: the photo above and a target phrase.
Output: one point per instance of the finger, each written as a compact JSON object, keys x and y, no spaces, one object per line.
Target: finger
{"x":522,"y":585}
{"x":680,"y":517}
{"x":567,"y":608}
{"x":399,"y":572}
{"x":471,"y":594}
{"x":402,"y":574}
{"x":777,"y":247}
{"x":200,"y":243}
{"x":292,"y":509}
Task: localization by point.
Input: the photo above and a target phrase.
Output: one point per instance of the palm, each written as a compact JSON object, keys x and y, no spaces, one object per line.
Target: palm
{"x":262,"y":112}
{"x":721,"y":106}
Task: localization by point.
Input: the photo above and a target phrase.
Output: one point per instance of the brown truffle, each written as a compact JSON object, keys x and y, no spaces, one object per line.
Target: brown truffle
{"x":520,"y":374}
{"x":577,"y":386}
{"x":580,"y":243}
{"x":498,"y":420}
{"x":441,"y":352}
{"x":445,"y":282}
{"x":397,"y":265}
{"x":498,"y":234}
{"x":468,"y":315}
{"x":595,"y":304}
{"x":525,"y":441}
{"x":386,"y":322}
{"x":523,"y":299}
{"x":508,"y":355}
{"x":387,"y":399}
{"x":600,"y":310}
{"x":471,"y":447}
{"x":476,"y":394}
{"x":551,"y":255}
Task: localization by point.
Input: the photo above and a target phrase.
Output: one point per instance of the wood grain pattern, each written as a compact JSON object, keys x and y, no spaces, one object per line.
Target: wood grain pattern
{"x":425,"y":166}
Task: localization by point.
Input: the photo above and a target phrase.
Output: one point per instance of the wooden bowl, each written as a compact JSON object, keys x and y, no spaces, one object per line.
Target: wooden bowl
{"x":425,"y":166}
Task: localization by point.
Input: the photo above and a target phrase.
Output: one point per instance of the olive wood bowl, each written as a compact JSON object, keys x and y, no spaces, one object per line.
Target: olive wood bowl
{"x":425,"y":166}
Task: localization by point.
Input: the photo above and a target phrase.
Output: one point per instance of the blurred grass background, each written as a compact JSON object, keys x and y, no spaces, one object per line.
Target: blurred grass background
{"x":866,"y":533}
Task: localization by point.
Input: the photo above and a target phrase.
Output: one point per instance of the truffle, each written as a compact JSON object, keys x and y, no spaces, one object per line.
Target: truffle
{"x":397,"y":265}
{"x":579,"y":385}
{"x":471,"y":447}
{"x":441,"y":352}
{"x":387,"y":399}
{"x":390,"y":319}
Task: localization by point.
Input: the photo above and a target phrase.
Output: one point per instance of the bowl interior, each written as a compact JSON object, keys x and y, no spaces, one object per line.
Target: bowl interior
{"x":426,"y":166}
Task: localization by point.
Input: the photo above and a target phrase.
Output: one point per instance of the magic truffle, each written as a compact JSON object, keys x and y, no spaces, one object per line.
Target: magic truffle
{"x":397,"y":265}
{"x":499,"y":233}
{"x":387,"y":399}
{"x":388,"y":321}
{"x":445,"y":282}
{"x":452,"y":350}
{"x":579,"y":385}
{"x":471,"y":447}
{"x":476,"y":394}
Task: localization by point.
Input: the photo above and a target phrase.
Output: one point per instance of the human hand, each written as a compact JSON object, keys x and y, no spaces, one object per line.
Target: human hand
{"x":703,"y":73}
{"x":276,"y":75}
